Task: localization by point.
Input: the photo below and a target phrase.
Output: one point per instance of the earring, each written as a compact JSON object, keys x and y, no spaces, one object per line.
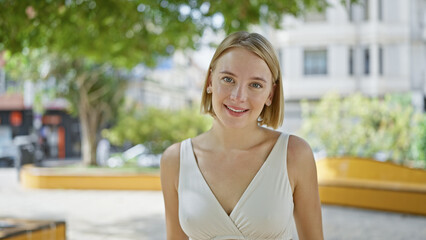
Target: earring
{"x":268,"y":103}
{"x":209,"y":90}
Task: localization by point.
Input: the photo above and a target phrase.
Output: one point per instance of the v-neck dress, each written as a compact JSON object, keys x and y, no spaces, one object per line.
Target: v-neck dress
{"x":264,"y":211}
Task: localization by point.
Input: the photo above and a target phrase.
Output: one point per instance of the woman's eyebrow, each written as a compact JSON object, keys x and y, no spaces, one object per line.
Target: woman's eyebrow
{"x":234,"y":75}
{"x":229,"y":73}
{"x":259,"y":78}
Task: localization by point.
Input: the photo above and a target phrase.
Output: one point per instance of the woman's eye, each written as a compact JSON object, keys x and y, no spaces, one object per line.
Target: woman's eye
{"x":256,"y":85}
{"x":228,"y":79}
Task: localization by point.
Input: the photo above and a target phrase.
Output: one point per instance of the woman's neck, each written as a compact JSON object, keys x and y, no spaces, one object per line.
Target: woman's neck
{"x":228,"y":139}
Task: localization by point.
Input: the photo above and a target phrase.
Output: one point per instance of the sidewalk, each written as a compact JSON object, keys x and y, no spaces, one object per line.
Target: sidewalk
{"x":126,"y":215}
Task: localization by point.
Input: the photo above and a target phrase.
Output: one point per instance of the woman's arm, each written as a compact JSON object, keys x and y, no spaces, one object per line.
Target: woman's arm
{"x":303,"y":173}
{"x":169,"y":183}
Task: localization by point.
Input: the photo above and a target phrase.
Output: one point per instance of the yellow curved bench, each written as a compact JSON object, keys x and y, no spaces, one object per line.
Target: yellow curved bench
{"x":24,"y":229}
{"x":371,"y":184}
{"x":54,"y":178}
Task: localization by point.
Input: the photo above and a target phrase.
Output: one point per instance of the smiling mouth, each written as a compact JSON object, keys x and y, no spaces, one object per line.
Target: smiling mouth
{"x":235,"y":110}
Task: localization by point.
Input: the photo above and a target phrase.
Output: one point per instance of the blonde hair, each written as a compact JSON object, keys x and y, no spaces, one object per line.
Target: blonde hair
{"x":271,"y":116}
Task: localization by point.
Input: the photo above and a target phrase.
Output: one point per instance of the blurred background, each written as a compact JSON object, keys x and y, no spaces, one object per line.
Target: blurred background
{"x":74,"y":74}
{"x":113,"y":83}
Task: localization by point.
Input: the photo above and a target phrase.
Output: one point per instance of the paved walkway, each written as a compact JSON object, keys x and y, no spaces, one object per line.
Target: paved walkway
{"x":129,"y":215}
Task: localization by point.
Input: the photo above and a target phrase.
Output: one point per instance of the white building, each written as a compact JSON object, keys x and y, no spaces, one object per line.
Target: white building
{"x":374,"y":47}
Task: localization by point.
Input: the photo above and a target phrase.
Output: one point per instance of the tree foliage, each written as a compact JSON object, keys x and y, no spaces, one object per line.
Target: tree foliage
{"x":88,"y":36}
{"x":128,"y":32}
{"x":69,"y":77}
{"x":157,"y":128}
{"x":361,"y":126}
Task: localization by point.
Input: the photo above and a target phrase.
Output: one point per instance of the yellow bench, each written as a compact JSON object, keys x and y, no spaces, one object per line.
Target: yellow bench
{"x":22,"y":229}
{"x":56,"y":178}
{"x":371,"y":184}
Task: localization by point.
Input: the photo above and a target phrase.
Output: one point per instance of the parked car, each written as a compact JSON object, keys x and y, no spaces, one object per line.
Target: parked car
{"x":8,"y":154}
{"x":149,"y":160}
{"x":29,"y":151}
{"x":8,"y":151}
{"x":138,"y":154}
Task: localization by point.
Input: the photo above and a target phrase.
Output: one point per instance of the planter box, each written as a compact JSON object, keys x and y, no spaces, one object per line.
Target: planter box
{"x":96,"y":179}
{"x":371,"y":184}
{"x":22,"y":229}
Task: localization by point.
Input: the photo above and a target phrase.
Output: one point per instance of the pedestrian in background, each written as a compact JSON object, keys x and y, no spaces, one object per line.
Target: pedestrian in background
{"x":241,"y":180}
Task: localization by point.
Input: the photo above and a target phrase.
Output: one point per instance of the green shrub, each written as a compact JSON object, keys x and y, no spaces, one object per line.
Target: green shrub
{"x":361,"y":126}
{"x":157,"y":128}
{"x":419,"y":145}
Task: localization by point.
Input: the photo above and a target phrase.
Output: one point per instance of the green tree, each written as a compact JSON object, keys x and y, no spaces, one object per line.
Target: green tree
{"x":129,"y":32}
{"x":123,"y":33}
{"x":95,"y":91}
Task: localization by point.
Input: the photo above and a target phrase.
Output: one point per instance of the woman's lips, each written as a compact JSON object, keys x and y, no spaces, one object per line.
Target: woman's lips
{"x":236,"y":111}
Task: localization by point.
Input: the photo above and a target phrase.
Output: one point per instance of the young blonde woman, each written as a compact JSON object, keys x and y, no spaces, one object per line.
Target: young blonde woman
{"x":240,"y":180}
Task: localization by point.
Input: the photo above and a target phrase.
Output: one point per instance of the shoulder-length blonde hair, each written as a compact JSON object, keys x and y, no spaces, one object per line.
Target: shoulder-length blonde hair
{"x":271,"y":116}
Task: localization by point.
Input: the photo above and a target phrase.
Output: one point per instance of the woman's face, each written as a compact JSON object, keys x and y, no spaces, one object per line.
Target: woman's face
{"x":241,"y":84}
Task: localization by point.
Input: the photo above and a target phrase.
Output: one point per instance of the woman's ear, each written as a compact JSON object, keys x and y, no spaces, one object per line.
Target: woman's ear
{"x":271,"y":96}
{"x":210,"y":78}
{"x":209,"y":83}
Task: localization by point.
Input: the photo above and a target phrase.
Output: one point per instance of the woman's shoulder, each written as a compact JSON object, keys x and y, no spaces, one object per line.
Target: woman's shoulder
{"x":169,"y":165}
{"x":298,"y":145}
{"x":171,"y":156}
{"x":300,"y":159}
{"x":298,"y":150}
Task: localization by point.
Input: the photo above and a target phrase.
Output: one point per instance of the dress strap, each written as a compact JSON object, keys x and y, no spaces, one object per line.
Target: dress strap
{"x":184,"y":161}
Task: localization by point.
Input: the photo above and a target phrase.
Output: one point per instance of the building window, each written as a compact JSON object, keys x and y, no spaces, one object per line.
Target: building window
{"x":351,"y":12}
{"x":366,"y":61}
{"x":380,"y":60}
{"x":351,"y":61}
{"x":315,"y":62}
{"x":358,"y":11}
{"x":281,"y":59}
{"x":365,"y":10}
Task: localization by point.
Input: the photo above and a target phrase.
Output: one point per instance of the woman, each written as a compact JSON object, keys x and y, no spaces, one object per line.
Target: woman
{"x":240,"y":180}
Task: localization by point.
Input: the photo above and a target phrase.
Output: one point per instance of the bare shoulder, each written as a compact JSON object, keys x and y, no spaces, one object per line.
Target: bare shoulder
{"x":171,"y":155}
{"x":169,"y":165}
{"x":300,"y":159}
{"x":298,"y":149}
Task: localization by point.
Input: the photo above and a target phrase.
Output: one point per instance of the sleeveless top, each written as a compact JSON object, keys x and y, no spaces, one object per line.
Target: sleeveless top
{"x":264,"y":211}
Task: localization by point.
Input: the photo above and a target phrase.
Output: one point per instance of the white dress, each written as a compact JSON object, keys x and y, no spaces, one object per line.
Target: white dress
{"x":264,"y":211}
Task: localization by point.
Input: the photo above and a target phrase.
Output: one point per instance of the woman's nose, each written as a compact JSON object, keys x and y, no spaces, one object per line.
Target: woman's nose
{"x":238,"y":94}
